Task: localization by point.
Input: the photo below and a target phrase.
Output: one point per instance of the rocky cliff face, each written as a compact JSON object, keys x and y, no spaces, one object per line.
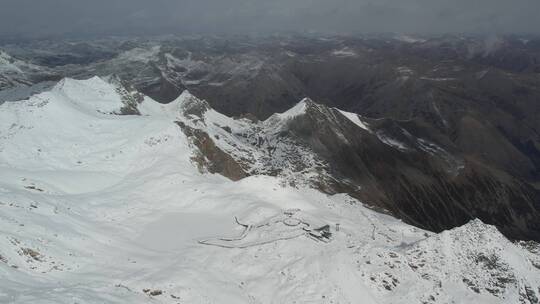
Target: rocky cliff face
{"x":382,"y":162}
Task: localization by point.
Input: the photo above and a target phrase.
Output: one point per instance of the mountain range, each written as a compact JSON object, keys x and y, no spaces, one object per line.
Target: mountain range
{"x":418,"y":156}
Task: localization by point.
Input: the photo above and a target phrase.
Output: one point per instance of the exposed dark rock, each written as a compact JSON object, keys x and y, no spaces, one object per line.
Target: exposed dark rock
{"x":433,"y":190}
{"x":210,"y":157}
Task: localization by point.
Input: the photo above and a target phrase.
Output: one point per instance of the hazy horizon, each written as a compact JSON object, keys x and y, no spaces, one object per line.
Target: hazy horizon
{"x":63,"y":17}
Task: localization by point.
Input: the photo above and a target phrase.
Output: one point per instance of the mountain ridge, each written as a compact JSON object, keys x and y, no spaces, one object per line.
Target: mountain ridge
{"x":335,"y":152}
{"x":100,"y":206}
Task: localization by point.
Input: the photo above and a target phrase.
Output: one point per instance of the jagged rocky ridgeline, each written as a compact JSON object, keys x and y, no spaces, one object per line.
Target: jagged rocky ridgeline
{"x":400,"y":167}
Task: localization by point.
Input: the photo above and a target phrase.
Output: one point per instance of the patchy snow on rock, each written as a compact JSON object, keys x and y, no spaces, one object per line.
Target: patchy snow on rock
{"x":405,"y":71}
{"x":394,"y":143}
{"x":409,"y":39}
{"x":8,"y":63}
{"x":355,"y":118}
{"x":439,"y":113}
{"x":144,"y":55}
{"x":481,"y":74}
{"x":257,"y":147}
{"x":297,"y":110}
{"x":15,"y":72}
{"x":438,"y":79}
{"x":280,"y":120}
{"x":191,"y":71}
{"x":470,"y":263}
{"x":344,"y":52}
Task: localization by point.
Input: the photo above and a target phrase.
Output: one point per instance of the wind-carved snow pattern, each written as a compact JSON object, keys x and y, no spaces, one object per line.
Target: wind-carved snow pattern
{"x":288,"y":225}
{"x":98,"y":207}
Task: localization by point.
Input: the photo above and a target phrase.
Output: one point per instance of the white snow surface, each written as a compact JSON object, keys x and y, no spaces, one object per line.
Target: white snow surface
{"x":101,"y":208}
{"x":355,"y":118}
{"x":344,"y":52}
{"x":298,"y":110}
{"x":394,"y":143}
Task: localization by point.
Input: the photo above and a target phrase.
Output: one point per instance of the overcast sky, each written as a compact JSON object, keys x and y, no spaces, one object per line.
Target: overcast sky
{"x":57,"y":17}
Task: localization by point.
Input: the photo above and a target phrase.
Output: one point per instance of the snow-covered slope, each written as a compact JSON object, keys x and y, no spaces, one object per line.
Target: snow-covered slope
{"x":97,"y":207}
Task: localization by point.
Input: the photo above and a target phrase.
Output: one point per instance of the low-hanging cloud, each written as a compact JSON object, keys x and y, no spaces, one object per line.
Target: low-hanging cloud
{"x":57,"y":17}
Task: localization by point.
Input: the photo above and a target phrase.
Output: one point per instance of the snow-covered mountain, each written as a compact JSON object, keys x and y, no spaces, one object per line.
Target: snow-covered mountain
{"x":102,"y":207}
{"x":452,"y":126}
{"x":395,"y":166}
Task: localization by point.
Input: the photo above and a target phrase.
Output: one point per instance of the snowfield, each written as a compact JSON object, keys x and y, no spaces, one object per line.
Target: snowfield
{"x":97,"y":207}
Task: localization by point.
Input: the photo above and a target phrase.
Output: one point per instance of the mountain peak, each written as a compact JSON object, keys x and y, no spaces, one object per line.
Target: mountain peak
{"x":67,"y":84}
{"x":188,"y":104}
{"x":279,"y":120}
{"x":476,"y":228}
{"x":299,"y":109}
{"x":92,"y":94}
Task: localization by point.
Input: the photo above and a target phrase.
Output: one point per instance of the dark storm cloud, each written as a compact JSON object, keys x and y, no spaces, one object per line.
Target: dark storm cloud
{"x":42,"y":17}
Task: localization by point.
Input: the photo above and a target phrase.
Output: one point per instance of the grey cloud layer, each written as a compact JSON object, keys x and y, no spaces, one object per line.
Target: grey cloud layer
{"x":254,"y":16}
